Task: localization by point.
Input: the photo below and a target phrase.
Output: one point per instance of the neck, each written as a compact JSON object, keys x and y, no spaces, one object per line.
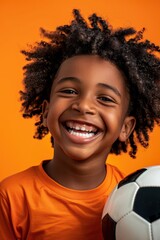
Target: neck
{"x":74,"y":174}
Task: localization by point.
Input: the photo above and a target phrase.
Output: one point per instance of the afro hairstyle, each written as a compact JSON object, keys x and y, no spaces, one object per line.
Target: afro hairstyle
{"x":136,"y":58}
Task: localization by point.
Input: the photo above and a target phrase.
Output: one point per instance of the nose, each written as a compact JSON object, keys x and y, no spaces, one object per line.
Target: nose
{"x":84,"y":105}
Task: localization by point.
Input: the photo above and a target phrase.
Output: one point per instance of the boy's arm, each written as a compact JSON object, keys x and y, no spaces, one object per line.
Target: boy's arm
{"x":6,"y":228}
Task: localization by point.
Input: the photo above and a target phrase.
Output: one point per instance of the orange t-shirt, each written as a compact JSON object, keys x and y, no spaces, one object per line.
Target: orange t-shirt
{"x":35,"y":207}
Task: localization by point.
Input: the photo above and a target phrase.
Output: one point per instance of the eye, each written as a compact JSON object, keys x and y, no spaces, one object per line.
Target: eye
{"x":106,"y":100}
{"x":68,"y":91}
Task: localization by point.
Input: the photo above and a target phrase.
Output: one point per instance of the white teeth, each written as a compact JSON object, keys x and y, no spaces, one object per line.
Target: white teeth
{"x":82,"y":127}
{"x":83,"y":135}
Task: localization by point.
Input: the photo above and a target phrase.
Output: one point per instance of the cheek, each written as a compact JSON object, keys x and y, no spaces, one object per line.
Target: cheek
{"x":113,"y":121}
{"x":112,"y":117}
{"x":54,"y":114}
{"x":58,"y":105}
{"x":51,"y":118}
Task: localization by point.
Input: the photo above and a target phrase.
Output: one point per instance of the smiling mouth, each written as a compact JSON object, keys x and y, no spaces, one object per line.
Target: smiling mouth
{"x":81,"y":130}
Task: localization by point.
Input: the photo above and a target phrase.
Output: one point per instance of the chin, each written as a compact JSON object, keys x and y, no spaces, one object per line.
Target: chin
{"x":78,"y":155}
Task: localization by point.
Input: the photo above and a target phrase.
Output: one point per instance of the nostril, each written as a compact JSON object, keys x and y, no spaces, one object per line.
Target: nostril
{"x":84,"y":107}
{"x":75,"y":107}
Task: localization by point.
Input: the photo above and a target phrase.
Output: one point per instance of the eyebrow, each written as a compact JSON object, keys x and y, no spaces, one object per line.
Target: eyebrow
{"x":72,"y":79}
{"x":114,"y":89}
{"x":103,"y":85}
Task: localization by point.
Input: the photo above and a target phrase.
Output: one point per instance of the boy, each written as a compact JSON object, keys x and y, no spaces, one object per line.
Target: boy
{"x":97,"y":92}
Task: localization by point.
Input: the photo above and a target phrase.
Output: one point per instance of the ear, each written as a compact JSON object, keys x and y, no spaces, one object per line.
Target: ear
{"x":127,"y":128}
{"x":45,"y":108}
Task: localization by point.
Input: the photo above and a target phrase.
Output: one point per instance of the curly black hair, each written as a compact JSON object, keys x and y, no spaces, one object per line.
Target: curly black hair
{"x":135,"y":57}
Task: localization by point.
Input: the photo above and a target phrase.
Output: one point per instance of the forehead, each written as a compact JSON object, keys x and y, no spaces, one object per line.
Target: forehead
{"x":92,"y":69}
{"x":90,"y":64}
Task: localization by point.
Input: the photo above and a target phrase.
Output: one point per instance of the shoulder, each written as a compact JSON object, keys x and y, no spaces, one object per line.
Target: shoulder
{"x":115,"y":172}
{"x":17,"y":182}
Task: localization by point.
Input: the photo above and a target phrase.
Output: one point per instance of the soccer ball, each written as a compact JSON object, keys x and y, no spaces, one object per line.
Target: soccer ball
{"x":132,"y":211}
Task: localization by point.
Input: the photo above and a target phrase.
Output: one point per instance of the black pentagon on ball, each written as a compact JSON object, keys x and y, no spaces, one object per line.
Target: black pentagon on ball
{"x":108,"y":228}
{"x":147,"y":203}
{"x":131,"y":177}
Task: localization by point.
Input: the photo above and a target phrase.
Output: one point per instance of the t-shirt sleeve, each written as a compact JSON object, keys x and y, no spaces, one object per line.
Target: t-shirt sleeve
{"x":6,"y":229}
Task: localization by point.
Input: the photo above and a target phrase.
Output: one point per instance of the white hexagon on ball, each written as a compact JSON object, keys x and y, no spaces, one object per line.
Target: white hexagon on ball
{"x":136,"y":228}
{"x":121,"y":201}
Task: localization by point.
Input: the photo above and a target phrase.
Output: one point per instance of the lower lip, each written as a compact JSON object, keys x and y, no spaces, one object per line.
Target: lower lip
{"x":80,"y":139}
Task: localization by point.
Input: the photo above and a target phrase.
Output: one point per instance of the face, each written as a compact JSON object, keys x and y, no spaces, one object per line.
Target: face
{"x":88,"y":106}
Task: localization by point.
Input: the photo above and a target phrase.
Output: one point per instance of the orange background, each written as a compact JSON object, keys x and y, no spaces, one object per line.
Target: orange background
{"x":19,"y":26}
